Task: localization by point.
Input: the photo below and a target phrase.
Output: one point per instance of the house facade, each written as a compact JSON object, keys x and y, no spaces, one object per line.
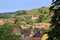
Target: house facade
{"x":31,"y":35}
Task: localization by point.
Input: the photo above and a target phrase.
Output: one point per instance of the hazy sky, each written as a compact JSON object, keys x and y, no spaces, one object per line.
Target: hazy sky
{"x":14,"y":5}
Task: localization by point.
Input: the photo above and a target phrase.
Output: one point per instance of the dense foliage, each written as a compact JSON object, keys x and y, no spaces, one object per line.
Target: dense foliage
{"x":6,"y":32}
{"x":54,"y":34}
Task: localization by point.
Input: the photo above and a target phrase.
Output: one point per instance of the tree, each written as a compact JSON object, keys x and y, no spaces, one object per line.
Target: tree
{"x":54,"y":34}
{"x":21,"y":12}
{"x":6,"y":32}
{"x":41,"y":17}
{"x":31,"y":28}
{"x":55,"y":3}
{"x":29,"y":20}
{"x":18,"y":23}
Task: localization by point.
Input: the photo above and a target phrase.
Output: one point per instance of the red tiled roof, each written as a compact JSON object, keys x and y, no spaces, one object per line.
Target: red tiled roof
{"x":15,"y":30}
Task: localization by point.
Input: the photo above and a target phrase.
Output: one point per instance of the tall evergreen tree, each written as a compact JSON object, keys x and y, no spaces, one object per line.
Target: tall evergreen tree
{"x":54,"y":34}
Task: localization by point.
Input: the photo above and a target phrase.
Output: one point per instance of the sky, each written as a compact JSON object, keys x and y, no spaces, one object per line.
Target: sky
{"x":15,"y":5}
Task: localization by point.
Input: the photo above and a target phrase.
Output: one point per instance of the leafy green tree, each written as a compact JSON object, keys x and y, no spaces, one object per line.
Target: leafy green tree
{"x":40,"y":11}
{"x":41,"y":17}
{"x":18,"y":23}
{"x":29,"y":20}
{"x":6,"y":32}
{"x":31,"y":28}
{"x":21,"y":12}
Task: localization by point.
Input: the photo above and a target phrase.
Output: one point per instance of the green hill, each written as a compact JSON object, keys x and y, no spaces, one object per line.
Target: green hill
{"x":26,"y":15}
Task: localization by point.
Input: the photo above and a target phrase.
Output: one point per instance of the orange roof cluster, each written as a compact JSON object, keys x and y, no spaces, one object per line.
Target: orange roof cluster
{"x":23,"y":26}
{"x":2,"y":22}
{"x":36,"y":25}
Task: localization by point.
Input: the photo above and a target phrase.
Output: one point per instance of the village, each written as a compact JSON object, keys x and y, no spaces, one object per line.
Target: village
{"x":33,"y":31}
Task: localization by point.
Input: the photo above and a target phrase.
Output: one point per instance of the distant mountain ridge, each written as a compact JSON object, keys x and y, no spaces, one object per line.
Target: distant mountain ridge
{"x":22,"y":10}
